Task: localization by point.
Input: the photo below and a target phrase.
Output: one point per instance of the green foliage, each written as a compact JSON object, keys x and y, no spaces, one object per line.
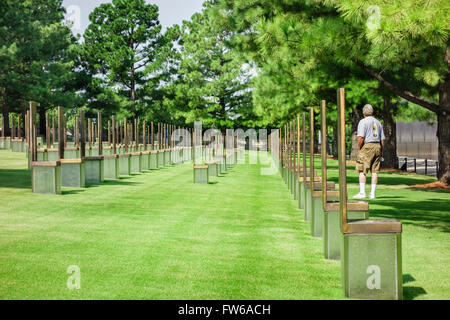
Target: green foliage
{"x":127,"y":55}
{"x":37,"y":55}
{"x":397,"y":30}
{"x":239,"y":63}
{"x":305,"y":49}
{"x":290,"y":41}
{"x":409,"y":112}
{"x":213,"y":82}
{"x":253,"y":243}
{"x":406,"y":40}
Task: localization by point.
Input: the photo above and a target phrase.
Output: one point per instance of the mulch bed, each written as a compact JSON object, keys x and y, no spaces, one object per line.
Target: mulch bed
{"x":432,"y":185}
{"x":391,"y":170}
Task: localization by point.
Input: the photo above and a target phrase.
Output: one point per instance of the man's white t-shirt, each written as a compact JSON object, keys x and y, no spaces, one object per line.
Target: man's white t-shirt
{"x":371,"y":130}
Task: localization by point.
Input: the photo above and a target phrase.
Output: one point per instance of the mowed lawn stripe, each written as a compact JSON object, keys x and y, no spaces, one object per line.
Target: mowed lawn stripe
{"x":157,"y":235}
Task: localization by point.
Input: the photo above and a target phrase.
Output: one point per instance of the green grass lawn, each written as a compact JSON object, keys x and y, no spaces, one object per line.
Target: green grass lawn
{"x":157,"y":235}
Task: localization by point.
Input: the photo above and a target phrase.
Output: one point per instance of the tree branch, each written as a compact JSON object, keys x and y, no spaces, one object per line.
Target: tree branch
{"x":142,"y":65}
{"x":396,"y":90}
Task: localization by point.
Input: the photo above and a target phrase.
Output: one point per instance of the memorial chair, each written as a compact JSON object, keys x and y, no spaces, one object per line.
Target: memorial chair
{"x":371,"y":249}
{"x":200,"y":168}
{"x":111,"y":160}
{"x":94,"y":164}
{"x":326,"y":212}
{"x":46,"y":175}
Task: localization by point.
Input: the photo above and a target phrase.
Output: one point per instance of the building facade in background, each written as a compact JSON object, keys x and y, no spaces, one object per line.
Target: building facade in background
{"x":417,"y":140}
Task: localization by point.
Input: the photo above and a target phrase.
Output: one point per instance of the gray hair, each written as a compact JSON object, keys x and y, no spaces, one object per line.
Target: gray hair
{"x":368,"y":110}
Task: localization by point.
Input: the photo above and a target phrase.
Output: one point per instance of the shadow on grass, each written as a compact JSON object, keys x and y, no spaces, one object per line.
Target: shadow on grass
{"x":405,"y":178}
{"x":429,"y":214}
{"x":388,"y":197}
{"x":14,"y":178}
{"x":409,"y":293}
{"x":429,"y":190}
{"x":112,"y":183}
{"x":214,"y":182}
{"x":67,"y":192}
{"x":124,"y":178}
{"x":408,"y":278}
{"x":388,"y":179}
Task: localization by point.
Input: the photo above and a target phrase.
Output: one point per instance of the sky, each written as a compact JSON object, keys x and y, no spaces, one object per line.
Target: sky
{"x":170,"y":11}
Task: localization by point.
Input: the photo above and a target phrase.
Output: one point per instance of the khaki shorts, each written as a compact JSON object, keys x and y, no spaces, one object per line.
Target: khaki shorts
{"x":369,"y":158}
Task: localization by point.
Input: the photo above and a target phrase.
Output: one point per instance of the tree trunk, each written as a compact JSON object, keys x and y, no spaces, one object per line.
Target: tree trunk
{"x":390,"y":131}
{"x":335,"y":142}
{"x":316,"y":137}
{"x":223,"y":111}
{"x":443,"y":132}
{"x":442,"y":110}
{"x":132,"y":85}
{"x":41,"y":121}
{"x":133,"y":80}
{"x":444,"y":147}
{"x":5,"y":113}
{"x":24,"y":122}
{"x":354,"y":138}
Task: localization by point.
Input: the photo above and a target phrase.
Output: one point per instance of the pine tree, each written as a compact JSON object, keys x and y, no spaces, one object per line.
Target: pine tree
{"x":213,"y":82}
{"x":405,"y":49}
{"x":37,"y":57}
{"x":127,"y":55}
{"x":411,"y":38}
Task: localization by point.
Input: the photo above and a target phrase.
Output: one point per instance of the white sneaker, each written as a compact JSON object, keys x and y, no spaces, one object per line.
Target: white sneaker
{"x":372,"y":196}
{"x":359,"y":196}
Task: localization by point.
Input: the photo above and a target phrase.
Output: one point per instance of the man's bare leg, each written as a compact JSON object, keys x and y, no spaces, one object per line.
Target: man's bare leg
{"x":362,"y":178}
{"x":362,"y":186}
{"x":374,"y":185}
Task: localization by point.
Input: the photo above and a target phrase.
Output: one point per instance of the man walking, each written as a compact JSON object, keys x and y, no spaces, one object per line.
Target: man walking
{"x":370,"y":148}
